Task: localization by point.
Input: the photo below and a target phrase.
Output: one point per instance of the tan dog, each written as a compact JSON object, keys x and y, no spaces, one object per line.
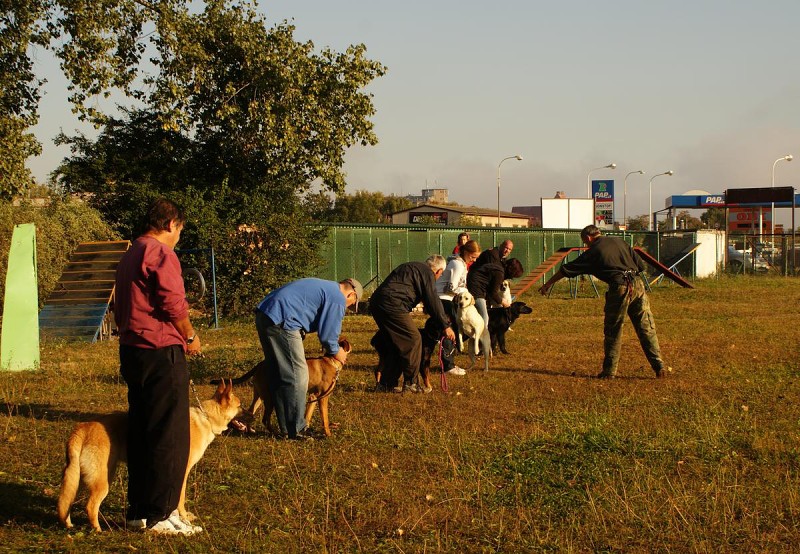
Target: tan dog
{"x":323,"y":372}
{"x":96,"y":447}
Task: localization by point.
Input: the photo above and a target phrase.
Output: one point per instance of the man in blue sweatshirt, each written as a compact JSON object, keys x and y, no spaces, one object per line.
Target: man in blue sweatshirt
{"x":283,"y":318}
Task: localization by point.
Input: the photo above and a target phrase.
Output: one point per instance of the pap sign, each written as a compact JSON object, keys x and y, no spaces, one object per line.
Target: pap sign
{"x":603,"y":196}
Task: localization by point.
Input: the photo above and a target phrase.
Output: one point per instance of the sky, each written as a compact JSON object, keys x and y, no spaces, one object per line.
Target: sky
{"x":707,"y":89}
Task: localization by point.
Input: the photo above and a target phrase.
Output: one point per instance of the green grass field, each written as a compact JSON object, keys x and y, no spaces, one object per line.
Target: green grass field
{"x":531,"y":456}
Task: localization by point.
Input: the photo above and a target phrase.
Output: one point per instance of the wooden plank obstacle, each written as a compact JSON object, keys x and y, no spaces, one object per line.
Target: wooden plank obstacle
{"x":79,"y":306}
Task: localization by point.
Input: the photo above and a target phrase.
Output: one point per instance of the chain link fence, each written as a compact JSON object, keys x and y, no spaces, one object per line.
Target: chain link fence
{"x":370,"y":252}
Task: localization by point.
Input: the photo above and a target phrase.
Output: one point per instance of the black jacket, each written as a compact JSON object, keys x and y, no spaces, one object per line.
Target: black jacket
{"x":405,"y":287}
{"x":486,"y":282}
{"x":608,"y":258}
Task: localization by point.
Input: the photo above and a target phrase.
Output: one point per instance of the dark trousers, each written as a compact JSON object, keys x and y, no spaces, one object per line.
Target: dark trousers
{"x":448,"y":347}
{"x":158,"y":429}
{"x":399,"y":346}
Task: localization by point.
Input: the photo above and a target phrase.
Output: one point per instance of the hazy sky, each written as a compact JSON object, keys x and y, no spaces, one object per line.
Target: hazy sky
{"x":709,"y":89}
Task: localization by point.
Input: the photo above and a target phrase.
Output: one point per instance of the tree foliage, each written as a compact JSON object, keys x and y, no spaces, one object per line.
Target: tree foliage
{"x":367,"y":207}
{"x":237,"y":124}
{"x":714,"y":218}
{"x":20,"y":28}
{"x":638,"y":223}
{"x":685,"y":220}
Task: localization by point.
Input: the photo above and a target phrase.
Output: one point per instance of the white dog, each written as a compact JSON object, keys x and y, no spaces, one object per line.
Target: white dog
{"x":505,"y":289}
{"x":470,"y":322}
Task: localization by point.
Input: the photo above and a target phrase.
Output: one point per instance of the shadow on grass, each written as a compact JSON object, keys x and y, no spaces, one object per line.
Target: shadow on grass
{"x":23,"y":503}
{"x":46,"y":412}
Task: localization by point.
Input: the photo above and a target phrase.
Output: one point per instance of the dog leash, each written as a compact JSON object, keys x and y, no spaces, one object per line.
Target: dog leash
{"x":197,"y":397}
{"x":443,"y":375}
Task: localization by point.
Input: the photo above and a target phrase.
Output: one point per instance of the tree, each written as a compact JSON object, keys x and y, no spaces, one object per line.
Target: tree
{"x":238,"y":123}
{"x":367,"y":207}
{"x":258,"y":99}
{"x":638,"y":223}
{"x":19,"y":92}
{"x":687,"y":221}
{"x":714,"y":218}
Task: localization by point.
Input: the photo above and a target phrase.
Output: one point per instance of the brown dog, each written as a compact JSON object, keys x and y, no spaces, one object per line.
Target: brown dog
{"x":96,"y":447}
{"x":323,"y":373}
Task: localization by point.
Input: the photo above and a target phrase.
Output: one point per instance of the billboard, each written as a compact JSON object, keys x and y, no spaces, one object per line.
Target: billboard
{"x":567,"y":213}
{"x":603,"y":195}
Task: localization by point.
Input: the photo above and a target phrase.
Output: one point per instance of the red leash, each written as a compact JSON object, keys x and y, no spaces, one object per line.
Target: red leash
{"x":443,"y":377}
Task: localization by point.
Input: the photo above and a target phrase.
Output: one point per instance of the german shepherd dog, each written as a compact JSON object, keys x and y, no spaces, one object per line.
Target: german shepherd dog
{"x":96,"y":447}
{"x":323,"y":373}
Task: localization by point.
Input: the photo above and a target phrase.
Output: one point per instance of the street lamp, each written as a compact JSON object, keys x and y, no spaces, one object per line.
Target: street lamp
{"x":788,"y":158}
{"x":625,"y":197}
{"x":589,"y":178}
{"x":650,"y":212}
{"x":517,"y":157}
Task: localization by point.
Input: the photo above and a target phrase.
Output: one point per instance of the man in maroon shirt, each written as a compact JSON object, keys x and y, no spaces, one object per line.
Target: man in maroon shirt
{"x":155,"y":333}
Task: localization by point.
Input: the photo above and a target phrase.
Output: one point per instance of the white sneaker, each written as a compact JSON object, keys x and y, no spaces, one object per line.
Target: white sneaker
{"x":175,"y":525}
{"x":136,"y":524}
{"x":457,"y":371}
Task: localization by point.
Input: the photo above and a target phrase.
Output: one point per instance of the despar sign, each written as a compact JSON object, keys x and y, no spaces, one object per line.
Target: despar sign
{"x":718,"y":200}
{"x":440,"y":218}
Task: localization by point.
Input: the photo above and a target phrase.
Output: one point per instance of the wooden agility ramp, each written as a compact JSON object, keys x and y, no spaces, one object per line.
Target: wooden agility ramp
{"x":662,"y":269}
{"x":557,"y":257}
{"x":78,"y":307}
{"x":541,"y":270}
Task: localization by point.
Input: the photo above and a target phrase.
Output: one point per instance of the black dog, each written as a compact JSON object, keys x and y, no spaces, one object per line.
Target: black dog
{"x":500,"y":319}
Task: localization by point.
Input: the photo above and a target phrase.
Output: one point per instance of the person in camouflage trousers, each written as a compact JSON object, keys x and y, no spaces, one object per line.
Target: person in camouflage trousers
{"x":613,"y":261}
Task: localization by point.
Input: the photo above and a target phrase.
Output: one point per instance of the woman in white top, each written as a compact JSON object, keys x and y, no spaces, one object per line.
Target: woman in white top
{"x":451,"y":282}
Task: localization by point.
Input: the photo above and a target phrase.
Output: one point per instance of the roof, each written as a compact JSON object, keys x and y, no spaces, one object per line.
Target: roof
{"x":464,"y":210}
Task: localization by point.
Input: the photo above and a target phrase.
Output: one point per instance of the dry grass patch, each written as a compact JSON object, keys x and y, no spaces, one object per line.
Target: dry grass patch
{"x":532,"y":456}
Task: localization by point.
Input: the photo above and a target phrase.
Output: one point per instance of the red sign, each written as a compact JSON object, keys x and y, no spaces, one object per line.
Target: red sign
{"x":747,"y":220}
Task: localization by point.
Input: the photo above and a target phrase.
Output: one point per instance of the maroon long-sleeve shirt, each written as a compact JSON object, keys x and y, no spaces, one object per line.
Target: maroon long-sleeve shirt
{"x":149,"y":296}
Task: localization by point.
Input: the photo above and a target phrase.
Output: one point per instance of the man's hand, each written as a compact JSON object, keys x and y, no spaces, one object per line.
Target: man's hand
{"x":448,"y":332}
{"x":505,"y":303}
{"x":195,"y":347}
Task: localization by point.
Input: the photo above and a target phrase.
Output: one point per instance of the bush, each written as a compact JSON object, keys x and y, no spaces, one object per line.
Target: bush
{"x":61,"y":224}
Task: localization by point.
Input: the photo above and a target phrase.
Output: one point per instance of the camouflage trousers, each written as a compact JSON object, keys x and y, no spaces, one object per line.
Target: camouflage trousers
{"x":637,"y":306}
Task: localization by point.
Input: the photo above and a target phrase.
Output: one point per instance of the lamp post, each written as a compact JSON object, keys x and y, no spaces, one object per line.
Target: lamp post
{"x":625,"y":197}
{"x":650,"y":217}
{"x":589,"y":177}
{"x":788,"y":158}
{"x":517,"y":157}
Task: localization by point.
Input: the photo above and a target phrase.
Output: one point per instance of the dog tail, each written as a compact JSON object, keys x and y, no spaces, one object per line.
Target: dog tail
{"x":242,"y":379}
{"x":71,"y":477}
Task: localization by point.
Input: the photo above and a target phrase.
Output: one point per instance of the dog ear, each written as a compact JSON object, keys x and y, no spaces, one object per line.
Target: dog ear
{"x":220,"y":389}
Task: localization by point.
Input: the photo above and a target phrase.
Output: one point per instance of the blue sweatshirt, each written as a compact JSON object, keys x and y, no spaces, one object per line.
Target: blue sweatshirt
{"x":313,"y":305}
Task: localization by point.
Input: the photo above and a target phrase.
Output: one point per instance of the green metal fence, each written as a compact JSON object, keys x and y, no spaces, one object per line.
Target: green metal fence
{"x":370,"y":252}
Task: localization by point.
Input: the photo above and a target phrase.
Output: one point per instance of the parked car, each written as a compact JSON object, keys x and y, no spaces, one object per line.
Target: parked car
{"x":738,"y":259}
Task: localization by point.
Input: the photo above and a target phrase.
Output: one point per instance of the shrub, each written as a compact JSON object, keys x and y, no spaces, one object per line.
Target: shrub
{"x":61,"y":224}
